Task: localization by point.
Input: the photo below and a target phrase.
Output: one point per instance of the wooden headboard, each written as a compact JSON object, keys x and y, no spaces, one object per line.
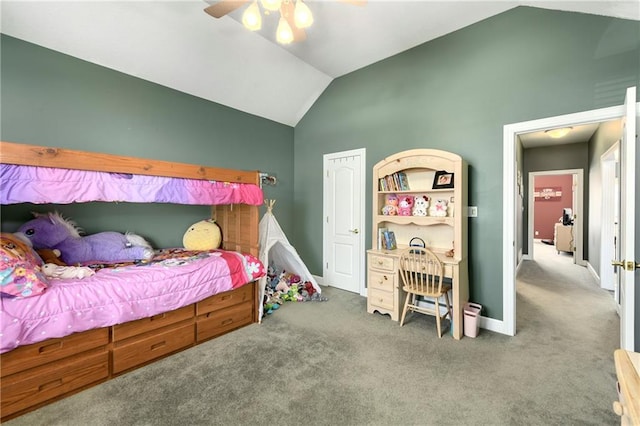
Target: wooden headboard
{"x":239,"y":222}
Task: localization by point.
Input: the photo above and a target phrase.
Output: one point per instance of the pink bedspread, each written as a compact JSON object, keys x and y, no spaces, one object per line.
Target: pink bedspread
{"x":44,"y":185}
{"x":117,"y":295}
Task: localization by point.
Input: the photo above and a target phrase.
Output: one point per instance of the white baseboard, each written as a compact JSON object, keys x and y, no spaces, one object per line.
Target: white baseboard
{"x":594,"y":273}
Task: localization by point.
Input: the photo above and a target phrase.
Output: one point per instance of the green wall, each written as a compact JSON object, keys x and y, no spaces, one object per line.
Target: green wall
{"x":456,"y":93}
{"x":52,"y":99}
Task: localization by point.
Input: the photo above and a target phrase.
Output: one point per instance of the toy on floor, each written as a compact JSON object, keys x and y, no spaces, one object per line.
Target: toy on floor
{"x":52,"y":231}
{"x":203,"y":235}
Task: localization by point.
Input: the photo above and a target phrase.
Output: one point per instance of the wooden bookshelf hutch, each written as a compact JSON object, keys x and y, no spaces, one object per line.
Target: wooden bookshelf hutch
{"x":440,"y":233}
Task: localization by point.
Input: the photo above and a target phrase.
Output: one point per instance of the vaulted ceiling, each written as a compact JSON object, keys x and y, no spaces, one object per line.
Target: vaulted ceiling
{"x":178,"y":45}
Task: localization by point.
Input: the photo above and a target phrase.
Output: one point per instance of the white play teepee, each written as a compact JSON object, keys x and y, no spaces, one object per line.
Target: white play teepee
{"x":275,"y":247}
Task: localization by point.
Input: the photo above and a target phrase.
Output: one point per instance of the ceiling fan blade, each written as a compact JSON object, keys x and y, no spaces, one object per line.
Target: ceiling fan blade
{"x":223,"y":7}
{"x":287,"y":9}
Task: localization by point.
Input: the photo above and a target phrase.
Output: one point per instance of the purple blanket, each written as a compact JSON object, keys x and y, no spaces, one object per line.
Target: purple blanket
{"x":44,"y":185}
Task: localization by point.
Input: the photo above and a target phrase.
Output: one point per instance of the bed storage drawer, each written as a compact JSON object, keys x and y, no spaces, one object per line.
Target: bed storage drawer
{"x":226,"y":299}
{"x":133,"y":353}
{"x":37,"y":385}
{"x":129,"y":329}
{"x":221,"y":321}
{"x":41,"y":353}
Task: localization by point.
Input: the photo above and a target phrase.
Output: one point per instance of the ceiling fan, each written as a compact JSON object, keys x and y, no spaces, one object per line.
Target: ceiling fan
{"x":295,"y":16}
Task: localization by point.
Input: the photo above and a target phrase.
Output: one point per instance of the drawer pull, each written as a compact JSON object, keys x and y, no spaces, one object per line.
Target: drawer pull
{"x":52,"y":347}
{"x":158,"y":345}
{"x":380,"y":262}
{"x":157,"y":317}
{"x":50,"y":385}
{"x":227,"y":321}
{"x":382,"y":279}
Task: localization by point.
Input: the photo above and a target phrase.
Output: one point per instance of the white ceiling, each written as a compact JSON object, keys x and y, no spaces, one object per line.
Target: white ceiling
{"x":176,"y":44}
{"x":577,"y":134}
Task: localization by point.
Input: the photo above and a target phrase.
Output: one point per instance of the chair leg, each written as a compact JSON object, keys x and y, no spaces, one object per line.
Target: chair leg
{"x":449,"y":309}
{"x":438,"y":318}
{"x":404,"y":311}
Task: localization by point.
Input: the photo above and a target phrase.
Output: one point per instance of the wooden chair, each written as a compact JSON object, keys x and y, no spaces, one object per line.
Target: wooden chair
{"x":422,"y":275}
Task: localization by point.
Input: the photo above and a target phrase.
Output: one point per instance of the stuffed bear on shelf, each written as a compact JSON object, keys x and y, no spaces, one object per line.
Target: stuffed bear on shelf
{"x":438,"y":208}
{"x":420,"y":205}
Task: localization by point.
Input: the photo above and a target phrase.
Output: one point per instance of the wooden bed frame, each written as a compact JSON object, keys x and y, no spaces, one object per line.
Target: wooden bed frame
{"x":35,"y":375}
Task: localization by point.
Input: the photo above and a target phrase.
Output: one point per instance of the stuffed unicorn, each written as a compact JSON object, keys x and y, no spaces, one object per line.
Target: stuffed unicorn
{"x":52,"y":231}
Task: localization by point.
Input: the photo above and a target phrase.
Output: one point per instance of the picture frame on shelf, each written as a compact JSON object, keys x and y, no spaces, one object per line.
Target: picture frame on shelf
{"x":442,"y":180}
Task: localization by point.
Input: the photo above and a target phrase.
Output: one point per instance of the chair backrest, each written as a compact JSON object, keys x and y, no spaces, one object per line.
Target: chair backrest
{"x":421,"y":271}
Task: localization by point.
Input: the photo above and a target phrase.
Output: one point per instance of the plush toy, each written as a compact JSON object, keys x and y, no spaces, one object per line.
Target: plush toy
{"x":405,"y":206}
{"x":51,"y":270}
{"x":51,"y":256}
{"x":391,"y":205}
{"x":438,"y":208}
{"x":52,"y":231}
{"x":282,"y":286}
{"x":420,"y":205}
{"x":203,"y":235}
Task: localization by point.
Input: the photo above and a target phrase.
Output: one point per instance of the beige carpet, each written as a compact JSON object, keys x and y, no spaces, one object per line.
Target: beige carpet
{"x":331,"y":363}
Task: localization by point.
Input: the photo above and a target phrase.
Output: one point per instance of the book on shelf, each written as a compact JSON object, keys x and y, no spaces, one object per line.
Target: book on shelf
{"x":381,"y":241}
{"x":394,"y":182}
{"x":390,"y":240}
{"x":404,"y":182}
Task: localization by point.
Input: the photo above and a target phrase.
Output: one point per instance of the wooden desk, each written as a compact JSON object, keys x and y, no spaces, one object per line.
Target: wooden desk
{"x":627,"y":371}
{"x":384,"y":286}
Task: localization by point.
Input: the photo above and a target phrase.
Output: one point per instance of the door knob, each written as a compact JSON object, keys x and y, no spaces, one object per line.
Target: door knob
{"x":355,"y":231}
{"x":629,"y":265}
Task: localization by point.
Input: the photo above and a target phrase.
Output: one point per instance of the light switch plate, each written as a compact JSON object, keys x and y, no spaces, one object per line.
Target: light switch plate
{"x":473,"y":211}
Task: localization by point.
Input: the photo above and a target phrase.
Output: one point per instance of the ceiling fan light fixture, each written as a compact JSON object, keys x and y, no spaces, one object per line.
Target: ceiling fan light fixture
{"x":284,"y":34}
{"x":558,"y":133}
{"x":271,"y":5}
{"x":302,"y":15}
{"x":251,"y":18}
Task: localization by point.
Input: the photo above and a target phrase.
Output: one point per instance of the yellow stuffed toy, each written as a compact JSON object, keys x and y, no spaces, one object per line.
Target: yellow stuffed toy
{"x":203,"y":235}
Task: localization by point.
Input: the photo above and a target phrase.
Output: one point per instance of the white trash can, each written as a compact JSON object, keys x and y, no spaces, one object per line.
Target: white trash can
{"x":472,"y":319}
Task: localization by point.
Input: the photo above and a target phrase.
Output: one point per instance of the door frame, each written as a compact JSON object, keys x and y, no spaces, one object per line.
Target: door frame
{"x":578,"y":213}
{"x":362,"y":153}
{"x":509,"y":211}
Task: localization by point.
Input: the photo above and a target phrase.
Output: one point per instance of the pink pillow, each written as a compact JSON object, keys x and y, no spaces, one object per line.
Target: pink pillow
{"x":20,"y":274}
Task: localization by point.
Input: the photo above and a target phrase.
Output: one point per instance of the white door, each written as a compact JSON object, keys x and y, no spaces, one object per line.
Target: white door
{"x":626,"y":261}
{"x":344,"y":192}
{"x":610,"y":219}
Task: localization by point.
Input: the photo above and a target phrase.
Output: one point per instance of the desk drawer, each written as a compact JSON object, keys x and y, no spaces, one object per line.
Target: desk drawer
{"x":383,"y":299}
{"x":382,"y":281}
{"x":383,"y":263}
